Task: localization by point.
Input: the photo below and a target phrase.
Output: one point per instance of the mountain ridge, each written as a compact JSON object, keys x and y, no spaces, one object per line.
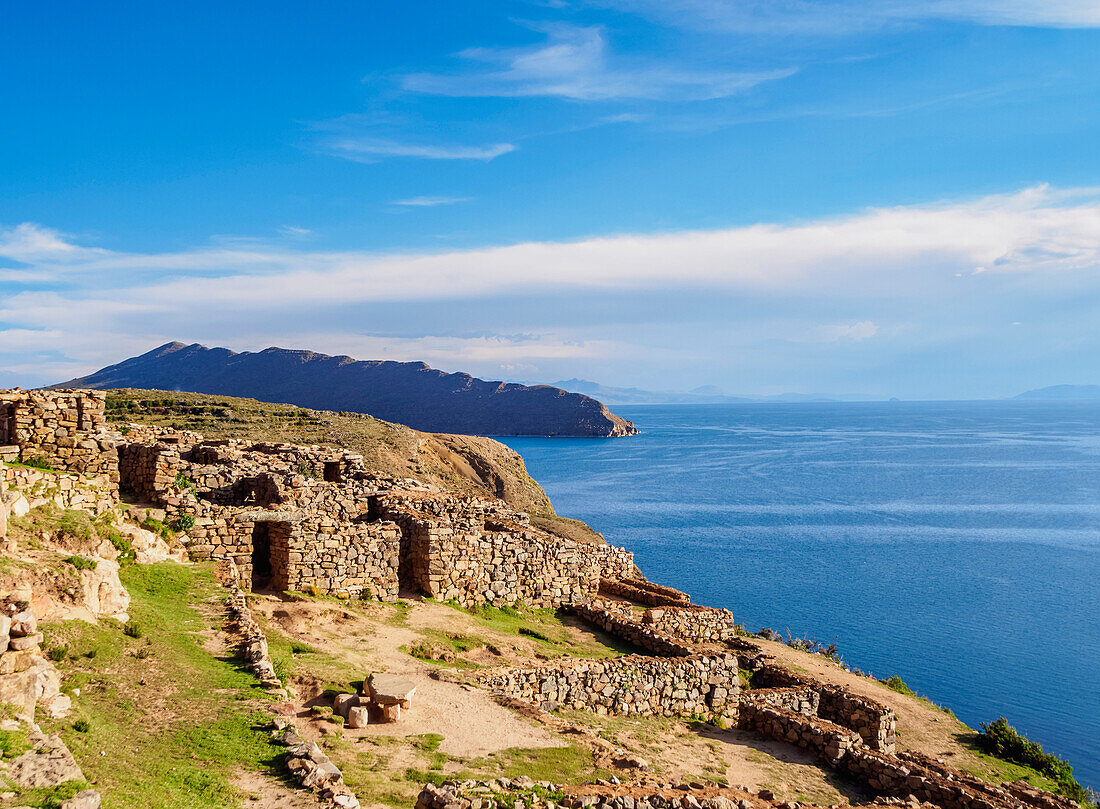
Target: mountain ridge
{"x":410,"y":393}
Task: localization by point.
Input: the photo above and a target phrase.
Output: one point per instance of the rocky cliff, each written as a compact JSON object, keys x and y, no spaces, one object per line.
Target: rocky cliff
{"x":406,"y":392}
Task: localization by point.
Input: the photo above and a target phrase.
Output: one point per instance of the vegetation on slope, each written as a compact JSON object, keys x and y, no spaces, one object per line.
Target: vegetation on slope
{"x":1000,"y":739}
{"x":463,"y":463}
{"x":160,"y":720}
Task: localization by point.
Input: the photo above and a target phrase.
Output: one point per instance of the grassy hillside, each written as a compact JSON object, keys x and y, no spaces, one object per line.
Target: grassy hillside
{"x":463,"y":463}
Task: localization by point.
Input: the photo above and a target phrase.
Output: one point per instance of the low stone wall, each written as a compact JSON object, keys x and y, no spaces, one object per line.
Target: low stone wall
{"x":622,"y":626}
{"x":66,"y":429}
{"x":693,"y":624}
{"x":702,"y":685}
{"x":805,"y":701}
{"x":876,"y":723}
{"x":93,"y":494}
{"x":827,"y":740}
{"x":643,"y":592}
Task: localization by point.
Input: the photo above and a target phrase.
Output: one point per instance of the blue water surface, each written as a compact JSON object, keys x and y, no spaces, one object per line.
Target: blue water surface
{"x":956,"y":544}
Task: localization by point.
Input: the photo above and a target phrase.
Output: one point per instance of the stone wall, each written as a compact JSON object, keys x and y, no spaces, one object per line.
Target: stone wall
{"x":66,"y":430}
{"x":827,"y":740}
{"x":357,"y":560}
{"x":643,"y":592}
{"x":805,"y":701}
{"x":625,"y":627}
{"x":693,"y":624}
{"x":876,"y":723}
{"x":95,"y":494}
{"x":702,"y":685}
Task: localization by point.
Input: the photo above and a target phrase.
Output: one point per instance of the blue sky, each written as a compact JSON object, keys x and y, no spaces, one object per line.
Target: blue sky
{"x":893,"y":198}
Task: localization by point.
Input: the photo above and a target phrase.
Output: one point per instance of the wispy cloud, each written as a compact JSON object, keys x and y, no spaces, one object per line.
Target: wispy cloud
{"x":430,"y":201}
{"x":835,"y":17}
{"x":575,"y":62}
{"x":369,"y":150}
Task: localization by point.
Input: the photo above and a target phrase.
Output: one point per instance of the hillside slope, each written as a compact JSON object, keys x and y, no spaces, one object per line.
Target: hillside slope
{"x":463,"y":463}
{"x":407,"y":392}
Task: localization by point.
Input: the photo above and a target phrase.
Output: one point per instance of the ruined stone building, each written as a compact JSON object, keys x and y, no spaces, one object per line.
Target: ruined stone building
{"x":309,"y":517}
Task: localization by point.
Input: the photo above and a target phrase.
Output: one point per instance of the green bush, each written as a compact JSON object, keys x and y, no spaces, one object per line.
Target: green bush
{"x":182,"y":481}
{"x":58,"y":653}
{"x":895,"y":683}
{"x":38,"y":463}
{"x":82,"y":725}
{"x":80,"y":563}
{"x":998,"y":738}
{"x":133,"y":630}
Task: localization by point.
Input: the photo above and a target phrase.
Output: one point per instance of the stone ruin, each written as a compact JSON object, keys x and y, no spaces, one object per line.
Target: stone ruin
{"x":312,"y":518}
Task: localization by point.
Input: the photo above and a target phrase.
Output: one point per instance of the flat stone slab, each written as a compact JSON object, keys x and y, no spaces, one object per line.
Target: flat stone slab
{"x":390,"y":689}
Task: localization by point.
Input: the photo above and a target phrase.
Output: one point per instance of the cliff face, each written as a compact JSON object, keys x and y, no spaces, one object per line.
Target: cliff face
{"x":406,"y":392}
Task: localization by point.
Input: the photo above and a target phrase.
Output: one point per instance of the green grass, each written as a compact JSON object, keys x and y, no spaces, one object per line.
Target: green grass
{"x":549,"y":631}
{"x":193,"y":723}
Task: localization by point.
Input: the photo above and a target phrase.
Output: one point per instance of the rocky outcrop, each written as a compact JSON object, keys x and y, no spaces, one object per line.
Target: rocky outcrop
{"x":406,"y":392}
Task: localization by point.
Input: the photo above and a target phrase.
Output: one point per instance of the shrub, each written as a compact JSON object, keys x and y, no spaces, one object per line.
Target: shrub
{"x":82,"y":725}
{"x":80,"y":563}
{"x":58,"y":653}
{"x":75,"y":524}
{"x":895,"y":683}
{"x":336,"y":719}
{"x":132,"y":629}
{"x":1000,"y":739}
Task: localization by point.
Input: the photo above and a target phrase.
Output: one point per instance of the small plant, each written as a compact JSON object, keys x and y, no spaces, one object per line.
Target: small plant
{"x":38,"y":463}
{"x":143,"y":653}
{"x":183,"y":482}
{"x":91,"y":653}
{"x":125,"y":547}
{"x":321,"y":710}
{"x":58,"y":653}
{"x":301,"y":648}
{"x":132,"y":629}
{"x":307,"y":470}
{"x":80,"y":563}
{"x":184,"y":522}
{"x":82,"y":725}
{"x":336,"y":719}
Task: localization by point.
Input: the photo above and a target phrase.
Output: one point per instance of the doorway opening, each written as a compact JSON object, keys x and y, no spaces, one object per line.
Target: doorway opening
{"x":261,"y":556}
{"x":332,"y":471}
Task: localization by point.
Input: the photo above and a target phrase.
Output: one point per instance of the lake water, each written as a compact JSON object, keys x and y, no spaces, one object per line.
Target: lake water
{"x":956,"y":545}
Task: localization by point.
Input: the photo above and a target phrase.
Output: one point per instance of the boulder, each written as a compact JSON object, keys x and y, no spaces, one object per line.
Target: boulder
{"x":358,"y":716}
{"x":343,"y":703}
{"x":88,"y":799}
{"x":49,"y":764}
{"x":29,"y":642}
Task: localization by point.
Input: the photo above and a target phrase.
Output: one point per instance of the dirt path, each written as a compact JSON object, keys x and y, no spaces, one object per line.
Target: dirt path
{"x":469,"y":720}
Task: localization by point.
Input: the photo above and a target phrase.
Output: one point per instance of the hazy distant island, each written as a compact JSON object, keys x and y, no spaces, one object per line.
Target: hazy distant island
{"x":705,"y":394}
{"x":1062,"y":393}
{"x":410,"y":393}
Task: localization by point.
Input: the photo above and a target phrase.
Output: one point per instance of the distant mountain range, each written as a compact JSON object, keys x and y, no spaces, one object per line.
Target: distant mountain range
{"x":707,"y":394}
{"x":1062,"y":392}
{"x":410,"y":393}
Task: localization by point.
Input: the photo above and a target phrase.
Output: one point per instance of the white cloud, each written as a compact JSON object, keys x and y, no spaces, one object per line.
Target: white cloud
{"x":832,"y":17}
{"x":862,"y":330}
{"x":291,"y":230}
{"x":430,"y":201}
{"x":850,"y":278}
{"x":574,"y":62}
{"x":367,"y":149}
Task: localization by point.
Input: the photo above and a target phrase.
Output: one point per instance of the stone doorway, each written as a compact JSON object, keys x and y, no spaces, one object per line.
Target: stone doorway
{"x":7,"y":423}
{"x":262,"y":570}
